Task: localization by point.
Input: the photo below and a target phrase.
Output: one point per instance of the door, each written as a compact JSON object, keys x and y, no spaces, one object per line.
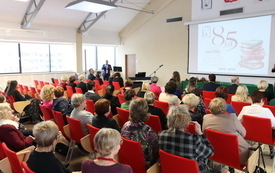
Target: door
{"x":130,"y":63}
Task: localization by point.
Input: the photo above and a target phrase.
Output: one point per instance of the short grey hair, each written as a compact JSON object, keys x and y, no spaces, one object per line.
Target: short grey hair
{"x":178,"y":117}
{"x":77,"y":99}
{"x":234,"y":79}
{"x":154,"y":79}
{"x":149,"y":97}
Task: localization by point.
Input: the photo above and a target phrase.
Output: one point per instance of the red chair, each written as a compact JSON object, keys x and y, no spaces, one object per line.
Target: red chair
{"x":70,"y":91}
{"x":121,"y":98}
{"x":26,"y":168}
{"x":75,"y":134}
{"x":13,"y":159}
{"x":41,"y":83}
{"x":103,"y":88}
{"x":176,"y":164}
{"x":26,"y":89}
{"x":208,"y":94}
{"x":10,"y":99}
{"x":238,"y":106}
{"x":92,"y":131}
{"x":135,"y":159}
{"x":116,"y":85}
{"x":33,"y":92}
{"x":226,"y":148}
{"x":164,"y":106}
{"x":97,"y":85}
{"x":60,"y":121}
{"x":272,"y":108}
{"x":229,"y":96}
{"x":46,"y":112}
{"x":21,"y":89}
{"x":90,"y":106}
{"x":206,"y":102}
{"x":78,"y":90}
{"x":123,"y":116}
{"x":154,"y":122}
{"x":36,"y":83}
{"x":191,"y":128}
{"x":106,"y":82}
{"x":56,"y":81}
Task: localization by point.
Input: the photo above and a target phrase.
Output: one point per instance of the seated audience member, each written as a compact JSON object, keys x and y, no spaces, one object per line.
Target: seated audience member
{"x":192,"y":83}
{"x":200,"y":108}
{"x":113,"y":99}
{"x":82,"y":84}
{"x":191,"y":101}
{"x":145,"y":87}
{"x":118,"y":78}
{"x":61,"y":104}
{"x":169,"y":95}
{"x":91,"y":74}
{"x":257,"y":109}
{"x":228,"y":123}
{"x":85,"y":117}
{"x":176,"y":78}
{"x":98,"y":77}
{"x":111,"y":77}
{"x":262,"y":86}
{"x":211,"y":86}
{"x":107,"y":143}
{"x":102,"y":109}
{"x":241,"y":95}
{"x":154,"y":87}
{"x":71,"y":83}
{"x":128,"y":96}
{"x":33,"y":109}
{"x":9,"y":130}
{"x":234,"y":85}
{"x":136,"y":130}
{"x":47,"y":95}
{"x":42,"y":159}
{"x":222,"y":92}
{"x":90,"y":94}
{"x":128,"y":85}
{"x":63,"y":82}
{"x":150,"y":99}
{"x":176,"y":140}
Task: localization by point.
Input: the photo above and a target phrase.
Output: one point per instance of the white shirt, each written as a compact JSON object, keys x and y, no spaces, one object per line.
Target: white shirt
{"x":257,"y":111}
{"x":170,"y":98}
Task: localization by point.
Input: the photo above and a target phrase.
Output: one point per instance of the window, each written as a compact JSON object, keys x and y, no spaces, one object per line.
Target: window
{"x":61,"y":56}
{"x":9,"y":58}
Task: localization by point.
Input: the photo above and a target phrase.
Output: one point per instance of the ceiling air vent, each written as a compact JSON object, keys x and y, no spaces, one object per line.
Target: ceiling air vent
{"x":231,"y":11}
{"x":175,"y":19}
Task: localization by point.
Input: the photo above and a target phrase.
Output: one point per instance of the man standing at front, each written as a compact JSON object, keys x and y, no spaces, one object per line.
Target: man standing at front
{"x":106,"y":70}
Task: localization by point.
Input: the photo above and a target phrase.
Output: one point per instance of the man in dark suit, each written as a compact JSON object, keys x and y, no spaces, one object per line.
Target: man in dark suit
{"x":211,"y":86}
{"x":234,"y":85}
{"x":106,"y":70}
{"x":90,"y":94}
{"x":91,"y":75}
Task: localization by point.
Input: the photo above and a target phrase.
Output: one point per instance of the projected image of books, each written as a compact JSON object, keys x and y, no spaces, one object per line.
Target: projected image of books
{"x":252,"y":54}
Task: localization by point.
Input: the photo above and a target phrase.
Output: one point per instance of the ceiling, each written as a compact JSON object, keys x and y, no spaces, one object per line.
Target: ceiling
{"x":54,"y":14}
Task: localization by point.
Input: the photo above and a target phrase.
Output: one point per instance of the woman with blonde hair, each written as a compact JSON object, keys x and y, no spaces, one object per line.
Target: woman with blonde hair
{"x":176,"y":140}
{"x":241,"y":95}
{"x":63,"y":82}
{"x":145,"y":87}
{"x":191,"y":101}
{"x":107,"y":143}
{"x":47,"y":95}
{"x":262,"y":86}
{"x":9,"y":130}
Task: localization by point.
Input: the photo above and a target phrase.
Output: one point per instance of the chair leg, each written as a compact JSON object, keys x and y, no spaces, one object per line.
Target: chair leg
{"x":271,"y":149}
{"x":70,"y":152}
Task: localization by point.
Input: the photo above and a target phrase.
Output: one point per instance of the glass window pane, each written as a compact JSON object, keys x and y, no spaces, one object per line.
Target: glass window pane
{"x":9,"y":58}
{"x":105,"y":53}
{"x":62,"y":57}
{"x":89,"y":56}
{"x":34,"y":57}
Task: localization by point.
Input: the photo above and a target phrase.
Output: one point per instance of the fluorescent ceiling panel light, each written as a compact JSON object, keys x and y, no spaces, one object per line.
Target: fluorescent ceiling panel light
{"x":94,"y":6}
{"x":22,"y":0}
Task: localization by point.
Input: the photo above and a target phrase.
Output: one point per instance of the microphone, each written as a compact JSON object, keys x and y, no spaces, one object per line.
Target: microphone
{"x":161,"y":65}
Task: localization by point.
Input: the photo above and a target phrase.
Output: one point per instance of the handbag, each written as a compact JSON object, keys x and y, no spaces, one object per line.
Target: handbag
{"x":258,"y":169}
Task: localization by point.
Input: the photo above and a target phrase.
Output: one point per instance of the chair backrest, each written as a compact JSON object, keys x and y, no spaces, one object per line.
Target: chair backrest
{"x":92,"y":131}
{"x":35,"y":83}
{"x":26,"y":168}
{"x":272,"y":108}
{"x":208,"y":94}
{"x":106,"y":82}
{"x":21,"y":89}
{"x":154,"y":122}
{"x":135,"y":158}
{"x":78,"y":90}
{"x":59,"y":121}
{"x":2,"y":152}
{"x":229,"y":96}
{"x":258,"y":129}
{"x":206,"y":102}
{"x":123,"y":116}
{"x":164,"y":106}
{"x":97,"y":85}
{"x":10,"y":99}
{"x":76,"y":131}
{"x":116,"y":85}
{"x":33,"y":91}
{"x":56,"y":81}
{"x":191,"y":128}
{"x":26,"y":89}
{"x":41,"y":83}
{"x":238,"y":106}
{"x":226,"y":148}
{"x":121,"y":98}
{"x":103,"y":88}
{"x":47,"y":113}
{"x":13,"y":159}
{"x":70,"y":91}
{"x":90,"y":106}
{"x":176,"y":164}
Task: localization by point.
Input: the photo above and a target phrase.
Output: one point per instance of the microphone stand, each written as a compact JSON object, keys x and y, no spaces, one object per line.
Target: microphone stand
{"x":156,"y":70}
